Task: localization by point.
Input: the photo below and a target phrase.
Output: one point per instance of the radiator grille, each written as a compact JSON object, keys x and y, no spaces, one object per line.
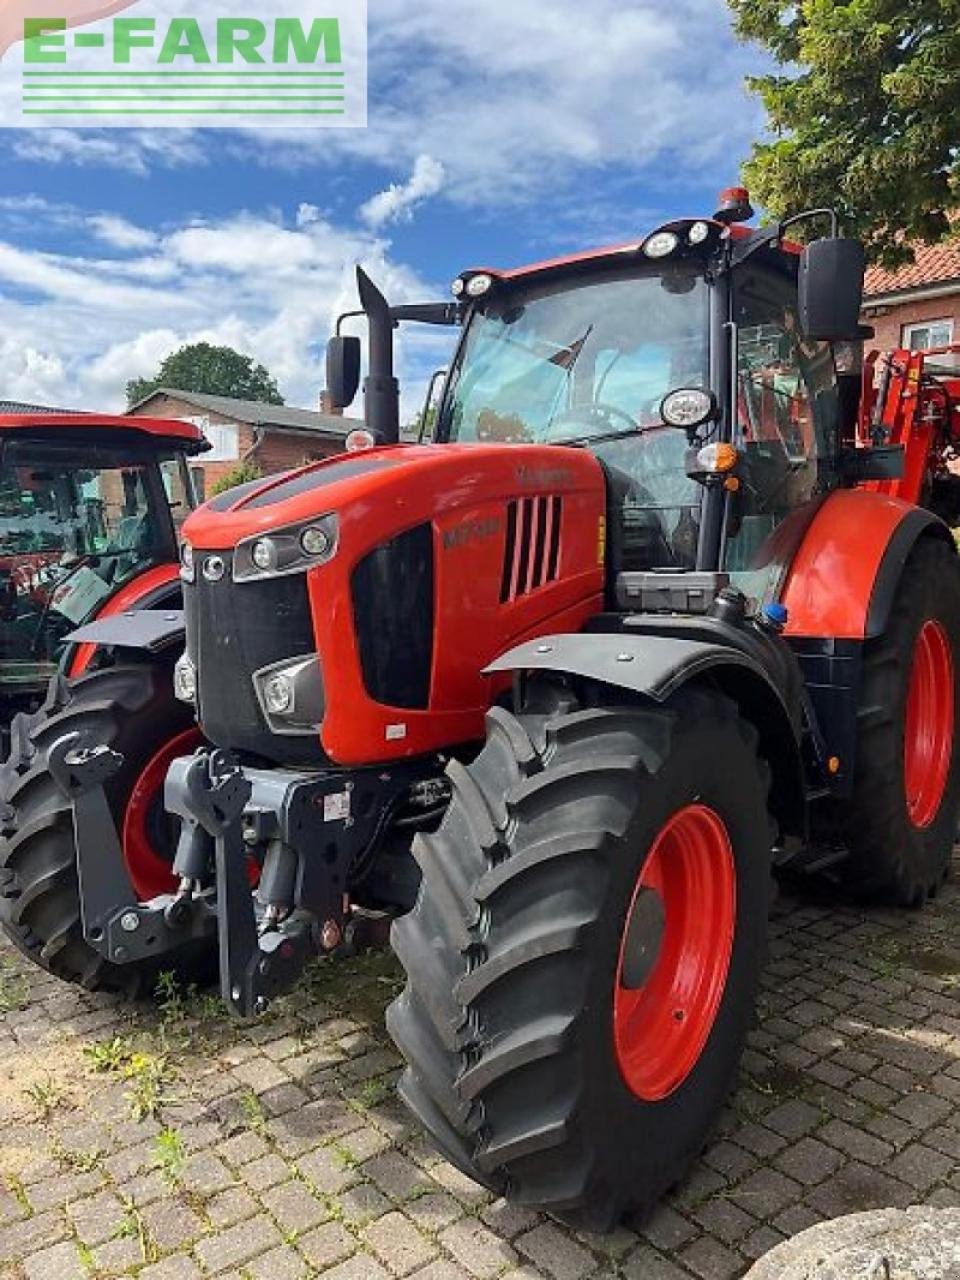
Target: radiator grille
{"x":531,"y":555}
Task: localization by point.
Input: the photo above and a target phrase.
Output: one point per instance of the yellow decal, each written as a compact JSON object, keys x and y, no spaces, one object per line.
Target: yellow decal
{"x":601,"y":540}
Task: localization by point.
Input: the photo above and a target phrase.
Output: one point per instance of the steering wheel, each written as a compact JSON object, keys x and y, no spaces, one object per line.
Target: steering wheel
{"x":598,"y":414}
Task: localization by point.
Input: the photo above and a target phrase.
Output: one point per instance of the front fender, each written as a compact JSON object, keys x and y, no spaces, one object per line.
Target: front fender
{"x":151,"y":630}
{"x":656,"y":667}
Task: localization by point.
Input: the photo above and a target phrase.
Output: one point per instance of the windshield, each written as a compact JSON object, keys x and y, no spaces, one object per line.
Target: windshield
{"x":69,"y":538}
{"x":590,"y":365}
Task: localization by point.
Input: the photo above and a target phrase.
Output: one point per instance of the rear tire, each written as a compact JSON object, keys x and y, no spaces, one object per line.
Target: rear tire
{"x":130,"y":708}
{"x":901,"y":820}
{"x":513,"y":953}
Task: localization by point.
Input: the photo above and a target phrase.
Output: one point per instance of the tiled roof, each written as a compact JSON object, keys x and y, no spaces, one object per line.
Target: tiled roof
{"x":21,"y":406}
{"x":256,"y":413}
{"x":932,"y":264}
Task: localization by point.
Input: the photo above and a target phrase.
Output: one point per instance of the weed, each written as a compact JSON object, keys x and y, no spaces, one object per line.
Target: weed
{"x":14,"y":989}
{"x":252,"y":1109}
{"x":343,"y":1155}
{"x":370,"y":1094}
{"x":169,"y":996}
{"x":78,"y":1161}
{"x":132,"y":1227}
{"x":149,"y":1075}
{"x":46,"y":1095}
{"x":19,"y":1192}
{"x":85,"y":1254}
{"x":170,"y":1155}
{"x":109,"y":1055}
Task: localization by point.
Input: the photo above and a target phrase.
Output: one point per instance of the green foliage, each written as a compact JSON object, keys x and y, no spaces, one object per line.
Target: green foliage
{"x":169,"y":1155}
{"x":215,"y":371}
{"x":240,"y":474}
{"x":14,"y":991}
{"x":865,"y":109}
{"x":149,"y":1074}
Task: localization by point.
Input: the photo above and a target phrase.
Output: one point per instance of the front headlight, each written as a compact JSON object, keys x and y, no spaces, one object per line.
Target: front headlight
{"x":185,"y":679}
{"x":291,"y":550}
{"x":290,"y":694}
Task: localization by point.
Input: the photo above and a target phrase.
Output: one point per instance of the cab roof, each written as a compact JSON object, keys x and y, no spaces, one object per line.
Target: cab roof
{"x":182,"y":435}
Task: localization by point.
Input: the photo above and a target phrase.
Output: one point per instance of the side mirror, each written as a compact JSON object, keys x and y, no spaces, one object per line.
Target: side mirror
{"x":830,"y":289}
{"x":343,"y":369}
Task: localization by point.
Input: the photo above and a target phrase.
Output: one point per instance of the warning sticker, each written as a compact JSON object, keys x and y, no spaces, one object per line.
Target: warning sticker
{"x":336,"y":806}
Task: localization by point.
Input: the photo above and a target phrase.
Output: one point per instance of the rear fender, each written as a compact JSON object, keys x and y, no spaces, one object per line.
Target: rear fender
{"x":843,"y":578}
{"x":657,"y":667}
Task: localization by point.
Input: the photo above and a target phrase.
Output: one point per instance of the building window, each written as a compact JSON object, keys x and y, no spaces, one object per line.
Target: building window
{"x":927,"y":333}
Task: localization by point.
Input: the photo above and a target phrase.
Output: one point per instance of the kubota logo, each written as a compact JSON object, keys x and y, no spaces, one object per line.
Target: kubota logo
{"x":78,"y":63}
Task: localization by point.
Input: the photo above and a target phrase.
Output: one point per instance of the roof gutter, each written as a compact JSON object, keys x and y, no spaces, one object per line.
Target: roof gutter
{"x":917,"y":293}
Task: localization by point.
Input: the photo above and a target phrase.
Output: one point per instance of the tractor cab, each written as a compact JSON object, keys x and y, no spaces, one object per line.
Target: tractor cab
{"x":87,"y":510}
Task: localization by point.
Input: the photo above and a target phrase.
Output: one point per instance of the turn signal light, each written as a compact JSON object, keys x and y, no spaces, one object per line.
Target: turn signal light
{"x":717,"y":458}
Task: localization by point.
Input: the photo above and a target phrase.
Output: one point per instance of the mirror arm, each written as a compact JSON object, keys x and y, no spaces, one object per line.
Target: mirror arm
{"x":446,"y":313}
{"x":347,"y":315}
{"x":744,"y":249}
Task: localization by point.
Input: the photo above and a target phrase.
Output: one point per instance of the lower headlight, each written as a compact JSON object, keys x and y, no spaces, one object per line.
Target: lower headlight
{"x":291,"y":695}
{"x":185,"y":679}
{"x":278,"y":694}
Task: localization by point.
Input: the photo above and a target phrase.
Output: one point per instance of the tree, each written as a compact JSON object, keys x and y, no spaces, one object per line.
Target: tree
{"x":218,"y":371}
{"x":866,"y":113}
{"x":242,"y":473}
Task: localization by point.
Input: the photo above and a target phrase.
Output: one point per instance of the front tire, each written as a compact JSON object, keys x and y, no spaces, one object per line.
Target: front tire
{"x":527,"y":958}
{"x":130,"y":708}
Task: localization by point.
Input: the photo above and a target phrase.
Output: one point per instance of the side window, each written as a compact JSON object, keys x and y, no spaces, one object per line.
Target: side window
{"x":787,"y":414}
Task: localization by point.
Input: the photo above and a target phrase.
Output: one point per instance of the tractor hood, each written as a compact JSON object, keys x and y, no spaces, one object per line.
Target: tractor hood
{"x":394,"y":487}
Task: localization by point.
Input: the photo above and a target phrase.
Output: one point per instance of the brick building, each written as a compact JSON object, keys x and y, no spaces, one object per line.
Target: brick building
{"x":917,"y":305}
{"x":273,"y":437}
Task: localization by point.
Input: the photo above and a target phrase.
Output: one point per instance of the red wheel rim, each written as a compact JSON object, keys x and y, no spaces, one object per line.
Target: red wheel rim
{"x":928,"y":724}
{"x":149,"y":870}
{"x":662,"y":1024}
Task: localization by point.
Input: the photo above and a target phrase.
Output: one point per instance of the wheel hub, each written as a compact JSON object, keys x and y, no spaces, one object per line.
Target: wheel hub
{"x":674,"y":952}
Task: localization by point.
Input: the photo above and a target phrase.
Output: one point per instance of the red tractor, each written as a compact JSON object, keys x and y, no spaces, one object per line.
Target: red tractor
{"x":651,"y":618}
{"x":87,"y":530}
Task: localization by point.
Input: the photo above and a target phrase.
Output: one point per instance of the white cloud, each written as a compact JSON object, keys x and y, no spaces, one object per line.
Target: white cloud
{"x":120,"y":233}
{"x":398,"y":202}
{"x":307,"y":213}
{"x":269,"y":288}
{"x":513,"y":99}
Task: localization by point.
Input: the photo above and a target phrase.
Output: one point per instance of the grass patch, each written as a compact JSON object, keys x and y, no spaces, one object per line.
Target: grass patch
{"x":149,"y":1074}
{"x":47,"y":1095}
{"x":132,"y":1227}
{"x":14,"y":988}
{"x":254,"y":1116}
{"x":169,"y":1155}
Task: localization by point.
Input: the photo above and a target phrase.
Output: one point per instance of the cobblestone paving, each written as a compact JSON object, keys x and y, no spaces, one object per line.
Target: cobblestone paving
{"x":169,"y":1143}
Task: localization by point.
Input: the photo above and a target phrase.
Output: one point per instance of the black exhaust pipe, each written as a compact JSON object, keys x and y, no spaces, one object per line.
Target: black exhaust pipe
{"x":381,"y":390}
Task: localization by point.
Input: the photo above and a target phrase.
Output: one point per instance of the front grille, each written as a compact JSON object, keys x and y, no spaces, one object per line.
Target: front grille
{"x":234,"y":629}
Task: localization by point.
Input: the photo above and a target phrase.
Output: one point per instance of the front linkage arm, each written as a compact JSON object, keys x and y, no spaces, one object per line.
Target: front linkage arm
{"x":114,"y":923}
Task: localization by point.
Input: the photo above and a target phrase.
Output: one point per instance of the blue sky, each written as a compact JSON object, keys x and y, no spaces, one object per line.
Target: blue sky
{"x":498,"y":132}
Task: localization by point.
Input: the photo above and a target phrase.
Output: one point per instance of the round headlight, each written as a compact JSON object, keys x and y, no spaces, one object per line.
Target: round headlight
{"x":660,"y":244}
{"x":687,"y":407}
{"x":315,"y":541}
{"x":261,"y":553}
{"x":186,"y":556}
{"x":478,"y":285}
{"x":698,"y":232}
{"x":278,"y":695}
{"x":458,"y":287}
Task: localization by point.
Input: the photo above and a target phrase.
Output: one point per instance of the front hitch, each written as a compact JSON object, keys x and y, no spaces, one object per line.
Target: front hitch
{"x":209,"y":793}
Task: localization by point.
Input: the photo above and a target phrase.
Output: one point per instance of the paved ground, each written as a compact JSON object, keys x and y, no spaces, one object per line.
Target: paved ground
{"x":169,"y":1143}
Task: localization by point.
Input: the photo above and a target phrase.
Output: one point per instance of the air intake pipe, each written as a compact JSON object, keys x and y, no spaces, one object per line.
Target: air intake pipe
{"x":381,"y":390}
